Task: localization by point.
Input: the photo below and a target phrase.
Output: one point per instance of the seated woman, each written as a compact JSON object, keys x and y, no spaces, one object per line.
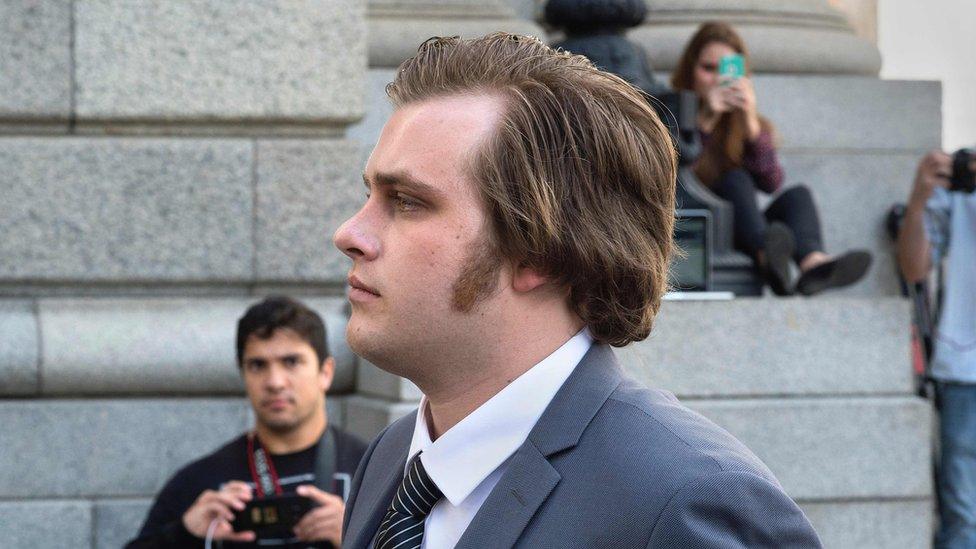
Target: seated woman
{"x":739,"y":156}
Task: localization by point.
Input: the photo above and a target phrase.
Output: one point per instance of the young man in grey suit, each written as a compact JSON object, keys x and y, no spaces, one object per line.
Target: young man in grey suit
{"x":517,"y":224}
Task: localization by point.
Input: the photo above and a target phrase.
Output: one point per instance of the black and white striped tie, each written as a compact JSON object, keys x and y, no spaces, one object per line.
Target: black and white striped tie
{"x":403,"y":525}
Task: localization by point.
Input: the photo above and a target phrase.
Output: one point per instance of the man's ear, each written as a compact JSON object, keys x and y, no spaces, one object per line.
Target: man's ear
{"x":526,"y":279}
{"x":326,"y":373}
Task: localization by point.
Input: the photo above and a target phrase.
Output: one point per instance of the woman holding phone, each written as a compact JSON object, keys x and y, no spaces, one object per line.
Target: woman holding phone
{"x":739,"y":157}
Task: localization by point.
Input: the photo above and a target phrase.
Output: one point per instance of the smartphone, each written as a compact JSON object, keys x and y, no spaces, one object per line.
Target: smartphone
{"x":731,"y":68}
{"x":272,"y":514}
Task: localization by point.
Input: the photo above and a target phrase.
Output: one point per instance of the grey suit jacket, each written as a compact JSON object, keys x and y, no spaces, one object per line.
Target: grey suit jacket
{"x":609,"y":464}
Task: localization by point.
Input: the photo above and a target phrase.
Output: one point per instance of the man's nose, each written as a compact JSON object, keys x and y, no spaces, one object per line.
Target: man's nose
{"x":276,"y":377}
{"x":355,"y":238}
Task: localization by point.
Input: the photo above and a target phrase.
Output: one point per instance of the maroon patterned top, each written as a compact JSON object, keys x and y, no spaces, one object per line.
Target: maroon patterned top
{"x":760,"y":160}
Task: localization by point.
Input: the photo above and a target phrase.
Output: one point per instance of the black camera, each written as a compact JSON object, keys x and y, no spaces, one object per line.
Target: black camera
{"x":963,"y":176}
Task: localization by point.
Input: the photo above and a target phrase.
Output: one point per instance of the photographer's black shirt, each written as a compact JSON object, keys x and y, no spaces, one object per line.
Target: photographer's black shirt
{"x":164,"y":524}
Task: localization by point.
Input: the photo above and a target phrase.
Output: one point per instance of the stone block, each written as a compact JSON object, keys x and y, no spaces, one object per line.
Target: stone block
{"x":366,"y":416}
{"x":753,"y":347}
{"x":851,"y":112}
{"x":208,"y":61}
{"x":305,"y":190}
{"x":159,"y":346}
{"x":367,"y":131}
{"x":93,"y":448}
{"x":906,"y":524}
{"x":118,"y":520}
{"x":854,"y":192}
{"x":32,"y":524}
{"x":19,"y":351}
{"x":35,"y":61}
{"x":835,"y":448}
{"x":373,"y":381}
{"x":132,"y":210}
{"x":398,"y":27}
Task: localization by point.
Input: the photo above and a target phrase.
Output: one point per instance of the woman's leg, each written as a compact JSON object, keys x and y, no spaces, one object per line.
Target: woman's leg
{"x":769,"y":246}
{"x":749,"y":226}
{"x":795,"y":207}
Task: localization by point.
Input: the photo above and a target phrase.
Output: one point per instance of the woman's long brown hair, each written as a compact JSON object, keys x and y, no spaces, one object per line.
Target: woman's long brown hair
{"x":729,"y":136}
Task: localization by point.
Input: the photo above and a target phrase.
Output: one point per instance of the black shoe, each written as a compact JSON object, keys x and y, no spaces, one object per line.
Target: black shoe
{"x":836,"y":273}
{"x":779,"y":250}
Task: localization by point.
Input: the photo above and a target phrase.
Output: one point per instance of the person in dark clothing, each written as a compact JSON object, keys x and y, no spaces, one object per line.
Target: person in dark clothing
{"x":739,"y":156}
{"x":286,"y":368}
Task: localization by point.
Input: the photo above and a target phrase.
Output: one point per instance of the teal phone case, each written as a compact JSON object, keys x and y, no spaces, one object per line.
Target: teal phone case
{"x":731,"y":67}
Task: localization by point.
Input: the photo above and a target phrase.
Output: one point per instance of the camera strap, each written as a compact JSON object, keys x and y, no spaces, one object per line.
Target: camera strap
{"x":265,"y":476}
{"x":262,"y":469}
{"x":325,"y":462}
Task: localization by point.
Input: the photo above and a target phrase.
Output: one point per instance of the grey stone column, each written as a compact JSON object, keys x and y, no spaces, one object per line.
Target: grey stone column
{"x":397,"y":27}
{"x":791,"y":36}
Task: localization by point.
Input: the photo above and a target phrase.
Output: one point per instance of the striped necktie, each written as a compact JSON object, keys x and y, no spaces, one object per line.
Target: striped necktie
{"x":403,"y":525}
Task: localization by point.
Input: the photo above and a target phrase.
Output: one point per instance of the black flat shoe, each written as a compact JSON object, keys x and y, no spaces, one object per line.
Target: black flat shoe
{"x":836,"y":273}
{"x":779,"y":250}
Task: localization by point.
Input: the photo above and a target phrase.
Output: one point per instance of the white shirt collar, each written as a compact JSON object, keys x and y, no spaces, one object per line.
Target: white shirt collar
{"x":460,"y":459}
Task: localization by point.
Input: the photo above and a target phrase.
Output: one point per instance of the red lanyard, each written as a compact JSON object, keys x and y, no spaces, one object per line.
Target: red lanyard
{"x":262,"y":469}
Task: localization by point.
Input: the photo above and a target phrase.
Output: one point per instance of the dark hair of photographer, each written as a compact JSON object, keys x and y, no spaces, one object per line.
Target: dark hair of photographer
{"x":277,"y":312}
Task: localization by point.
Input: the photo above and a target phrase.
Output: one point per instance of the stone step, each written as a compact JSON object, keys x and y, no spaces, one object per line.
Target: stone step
{"x":821,"y":449}
{"x":113,"y":447}
{"x":121,"y":65}
{"x":906,"y":524}
{"x":854,"y":191}
{"x":776,"y":347}
{"x":110,"y":523}
{"x":174,"y":211}
{"x":127,"y":346}
{"x":751,"y":347}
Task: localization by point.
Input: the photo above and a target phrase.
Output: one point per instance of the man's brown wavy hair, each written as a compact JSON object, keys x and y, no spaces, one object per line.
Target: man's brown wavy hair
{"x":578,"y":179}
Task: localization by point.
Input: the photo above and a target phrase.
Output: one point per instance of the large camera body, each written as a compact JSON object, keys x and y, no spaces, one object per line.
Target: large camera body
{"x":963,"y":177}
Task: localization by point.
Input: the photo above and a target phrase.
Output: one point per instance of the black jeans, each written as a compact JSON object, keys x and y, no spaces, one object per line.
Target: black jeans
{"x":794,"y":207}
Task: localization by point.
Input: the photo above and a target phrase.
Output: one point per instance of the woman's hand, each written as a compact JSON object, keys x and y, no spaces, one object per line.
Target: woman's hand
{"x":742,"y":97}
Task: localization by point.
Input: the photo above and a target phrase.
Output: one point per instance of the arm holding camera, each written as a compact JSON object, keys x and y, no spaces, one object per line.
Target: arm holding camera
{"x":914,"y":256}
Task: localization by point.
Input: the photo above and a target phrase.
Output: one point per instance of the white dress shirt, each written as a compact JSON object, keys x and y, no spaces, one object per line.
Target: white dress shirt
{"x":467,"y":461}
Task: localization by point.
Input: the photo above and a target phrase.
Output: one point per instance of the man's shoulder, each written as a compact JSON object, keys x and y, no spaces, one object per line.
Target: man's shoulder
{"x":649,"y":433}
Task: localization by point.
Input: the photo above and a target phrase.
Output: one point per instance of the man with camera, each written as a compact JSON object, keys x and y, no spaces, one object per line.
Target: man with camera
{"x":939,"y":228}
{"x":283,"y":483}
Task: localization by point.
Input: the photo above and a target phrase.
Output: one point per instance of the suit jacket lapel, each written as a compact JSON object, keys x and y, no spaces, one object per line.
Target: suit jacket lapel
{"x":530,"y":477}
{"x":386,"y":465}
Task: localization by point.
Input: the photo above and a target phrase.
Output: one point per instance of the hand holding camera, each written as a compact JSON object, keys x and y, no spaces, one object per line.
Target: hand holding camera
{"x":221,"y":506}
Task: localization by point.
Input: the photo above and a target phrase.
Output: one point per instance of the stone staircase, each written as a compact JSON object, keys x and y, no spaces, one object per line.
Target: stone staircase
{"x":143,"y":211}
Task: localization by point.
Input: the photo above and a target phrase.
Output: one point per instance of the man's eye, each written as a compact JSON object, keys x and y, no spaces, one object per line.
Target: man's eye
{"x":290,"y":361}
{"x":404,"y":203}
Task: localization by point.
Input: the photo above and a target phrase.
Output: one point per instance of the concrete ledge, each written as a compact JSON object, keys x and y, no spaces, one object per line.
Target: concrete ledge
{"x":367,"y":416}
{"x":32,"y":524}
{"x":820,"y":449}
{"x":398,"y":27}
{"x":750,"y":347}
{"x":19,"y":348}
{"x":854,"y":192}
{"x":849,"y":112}
{"x":35,"y":62}
{"x":159,"y":346}
{"x":126,"y":210}
{"x":88,"y":448}
{"x":872,"y":525}
{"x":211,"y":60}
{"x":305,"y":190}
{"x":844,"y":448}
{"x":372,"y":381}
{"x":118,"y":521}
